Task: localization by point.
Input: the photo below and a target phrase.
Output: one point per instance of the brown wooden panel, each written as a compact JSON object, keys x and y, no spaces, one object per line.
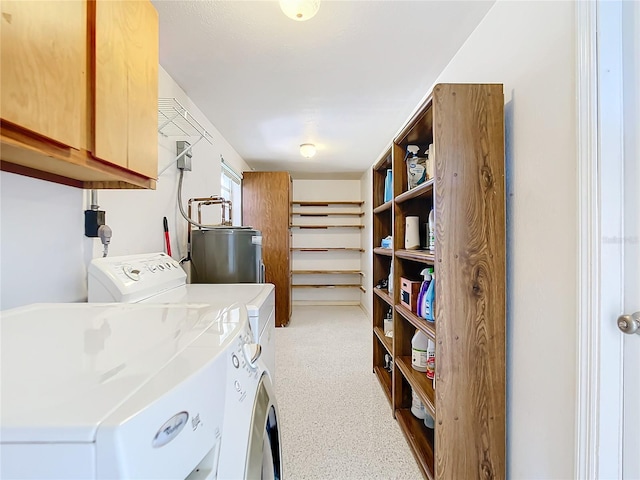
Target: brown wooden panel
{"x":266,"y":206}
{"x":142,"y":87}
{"x":43,"y":67}
{"x":470,"y":279}
{"x":110,"y":70}
{"x":33,"y":157}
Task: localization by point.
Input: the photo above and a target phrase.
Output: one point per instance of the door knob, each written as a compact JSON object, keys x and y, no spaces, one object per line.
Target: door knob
{"x":629,"y":323}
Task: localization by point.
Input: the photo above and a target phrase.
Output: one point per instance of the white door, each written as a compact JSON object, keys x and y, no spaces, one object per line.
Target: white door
{"x":608,"y":423}
{"x":631,"y":302}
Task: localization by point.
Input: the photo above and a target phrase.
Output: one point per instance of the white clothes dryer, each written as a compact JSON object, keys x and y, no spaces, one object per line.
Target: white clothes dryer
{"x":124,"y":391}
{"x":157,"y":278}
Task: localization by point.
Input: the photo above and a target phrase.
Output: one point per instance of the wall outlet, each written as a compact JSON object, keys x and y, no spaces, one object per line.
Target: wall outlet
{"x":92,"y":221}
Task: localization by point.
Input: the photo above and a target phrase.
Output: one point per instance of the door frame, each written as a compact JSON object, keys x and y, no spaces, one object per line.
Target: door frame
{"x":598,"y":442}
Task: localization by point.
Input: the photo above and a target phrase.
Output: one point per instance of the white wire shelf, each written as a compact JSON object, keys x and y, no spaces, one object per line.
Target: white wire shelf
{"x":175,"y":121}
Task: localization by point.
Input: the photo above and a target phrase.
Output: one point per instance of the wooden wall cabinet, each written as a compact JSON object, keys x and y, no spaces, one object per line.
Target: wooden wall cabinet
{"x":79,"y":92}
{"x":465,"y":124}
{"x":266,"y":206}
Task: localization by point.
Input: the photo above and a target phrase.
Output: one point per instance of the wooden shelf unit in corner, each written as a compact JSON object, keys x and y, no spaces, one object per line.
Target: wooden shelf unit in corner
{"x":462,"y":128}
{"x":326,"y":215}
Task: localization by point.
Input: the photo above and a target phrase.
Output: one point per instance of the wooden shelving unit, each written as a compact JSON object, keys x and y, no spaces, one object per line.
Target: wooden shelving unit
{"x":465,"y":125}
{"x":334,"y":216}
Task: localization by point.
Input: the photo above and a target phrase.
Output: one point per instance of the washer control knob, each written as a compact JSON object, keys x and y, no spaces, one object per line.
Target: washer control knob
{"x":235,"y":361}
{"x":252,"y":352}
{"x":132,"y":273}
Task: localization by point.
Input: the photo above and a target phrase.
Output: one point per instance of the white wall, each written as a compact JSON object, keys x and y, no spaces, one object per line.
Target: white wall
{"x":44,"y":253}
{"x":366,"y":193}
{"x":530,"y":48}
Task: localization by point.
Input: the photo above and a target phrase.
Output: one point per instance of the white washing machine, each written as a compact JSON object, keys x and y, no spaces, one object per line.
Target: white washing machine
{"x":157,"y":278}
{"x":118,"y":391}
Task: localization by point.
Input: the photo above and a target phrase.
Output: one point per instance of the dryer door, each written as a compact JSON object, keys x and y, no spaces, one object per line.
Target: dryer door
{"x":264,"y":460}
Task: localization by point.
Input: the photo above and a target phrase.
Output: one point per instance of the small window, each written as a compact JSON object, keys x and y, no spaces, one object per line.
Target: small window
{"x":230,"y":189}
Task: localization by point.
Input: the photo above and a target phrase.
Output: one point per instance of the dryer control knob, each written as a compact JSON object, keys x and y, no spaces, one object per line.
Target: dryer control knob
{"x":251,"y":353}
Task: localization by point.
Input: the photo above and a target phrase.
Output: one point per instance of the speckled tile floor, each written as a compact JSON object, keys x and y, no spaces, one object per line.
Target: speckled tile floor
{"x":336,"y":421}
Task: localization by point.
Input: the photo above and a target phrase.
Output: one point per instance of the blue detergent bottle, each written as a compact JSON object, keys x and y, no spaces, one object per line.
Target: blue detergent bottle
{"x":426,"y":280}
{"x":388,"y":186}
{"x":430,"y":299}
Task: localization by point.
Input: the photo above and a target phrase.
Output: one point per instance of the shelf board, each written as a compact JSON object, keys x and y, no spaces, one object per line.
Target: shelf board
{"x":384,"y":295}
{"x":326,"y":204}
{"x":384,"y":162}
{"x":386,"y":341}
{"x":326,"y":272}
{"x":328,"y":214}
{"x":428,"y":328}
{"x":327,"y":249}
{"x":384,"y":207}
{"x":422,"y":256}
{"x":423,"y":190}
{"x":383,"y":251}
{"x":326,"y":226}
{"x":422,"y":385}
{"x":420,"y":439}
{"x":349,"y":285}
{"x":384,"y":378}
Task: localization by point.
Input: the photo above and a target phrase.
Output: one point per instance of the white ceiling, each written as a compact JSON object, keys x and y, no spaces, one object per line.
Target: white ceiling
{"x":345,"y":80}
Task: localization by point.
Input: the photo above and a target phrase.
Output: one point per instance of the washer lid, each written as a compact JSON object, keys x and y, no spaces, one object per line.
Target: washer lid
{"x":252,"y":295}
{"x":66,"y":367}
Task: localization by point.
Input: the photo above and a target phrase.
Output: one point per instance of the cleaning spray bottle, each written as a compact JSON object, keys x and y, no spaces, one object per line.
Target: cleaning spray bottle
{"x":426,"y":279}
{"x":430,"y":299}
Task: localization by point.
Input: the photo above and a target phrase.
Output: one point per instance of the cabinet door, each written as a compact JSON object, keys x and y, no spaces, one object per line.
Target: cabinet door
{"x":43,"y":67}
{"x":126,"y":85}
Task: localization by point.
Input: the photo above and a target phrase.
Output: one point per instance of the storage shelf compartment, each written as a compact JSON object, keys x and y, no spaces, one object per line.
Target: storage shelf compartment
{"x":326,"y":286}
{"x":327,"y":249}
{"x":423,"y":190}
{"x":326,"y":226}
{"x":420,"y":439}
{"x":383,"y":251}
{"x":328,"y":214}
{"x":384,"y":295}
{"x":428,"y":328}
{"x":326,"y":204}
{"x":384,"y":378}
{"x":422,"y":256}
{"x":422,"y":385}
{"x":326,"y":272}
{"x":384,"y":207}
{"x":386,"y":341}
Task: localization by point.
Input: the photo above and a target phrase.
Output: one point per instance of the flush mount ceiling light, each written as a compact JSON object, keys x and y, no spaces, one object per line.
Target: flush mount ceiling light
{"x":300,"y":10}
{"x":307,"y":150}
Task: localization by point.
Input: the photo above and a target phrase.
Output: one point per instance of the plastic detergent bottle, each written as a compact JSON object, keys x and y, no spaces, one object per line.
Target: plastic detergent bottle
{"x":431,"y":359}
{"x":419,"y":346}
{"x":388,"y":186}
{"x":430,"y":300}
{"x":417,"y":408}
{"x":426,"y":280}
{"x":432,"y":230}
{"x":429,"y":421}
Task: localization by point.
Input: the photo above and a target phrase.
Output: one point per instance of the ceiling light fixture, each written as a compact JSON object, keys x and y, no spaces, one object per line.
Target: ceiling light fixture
{"x":300,"y":10}
{"x":307,"y":150}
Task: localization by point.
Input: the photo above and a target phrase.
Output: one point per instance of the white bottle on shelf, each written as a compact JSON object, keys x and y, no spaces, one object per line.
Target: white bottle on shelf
{"x":419,"y":347}
{"x":432,"y":230}
{"x":417,"y":407}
